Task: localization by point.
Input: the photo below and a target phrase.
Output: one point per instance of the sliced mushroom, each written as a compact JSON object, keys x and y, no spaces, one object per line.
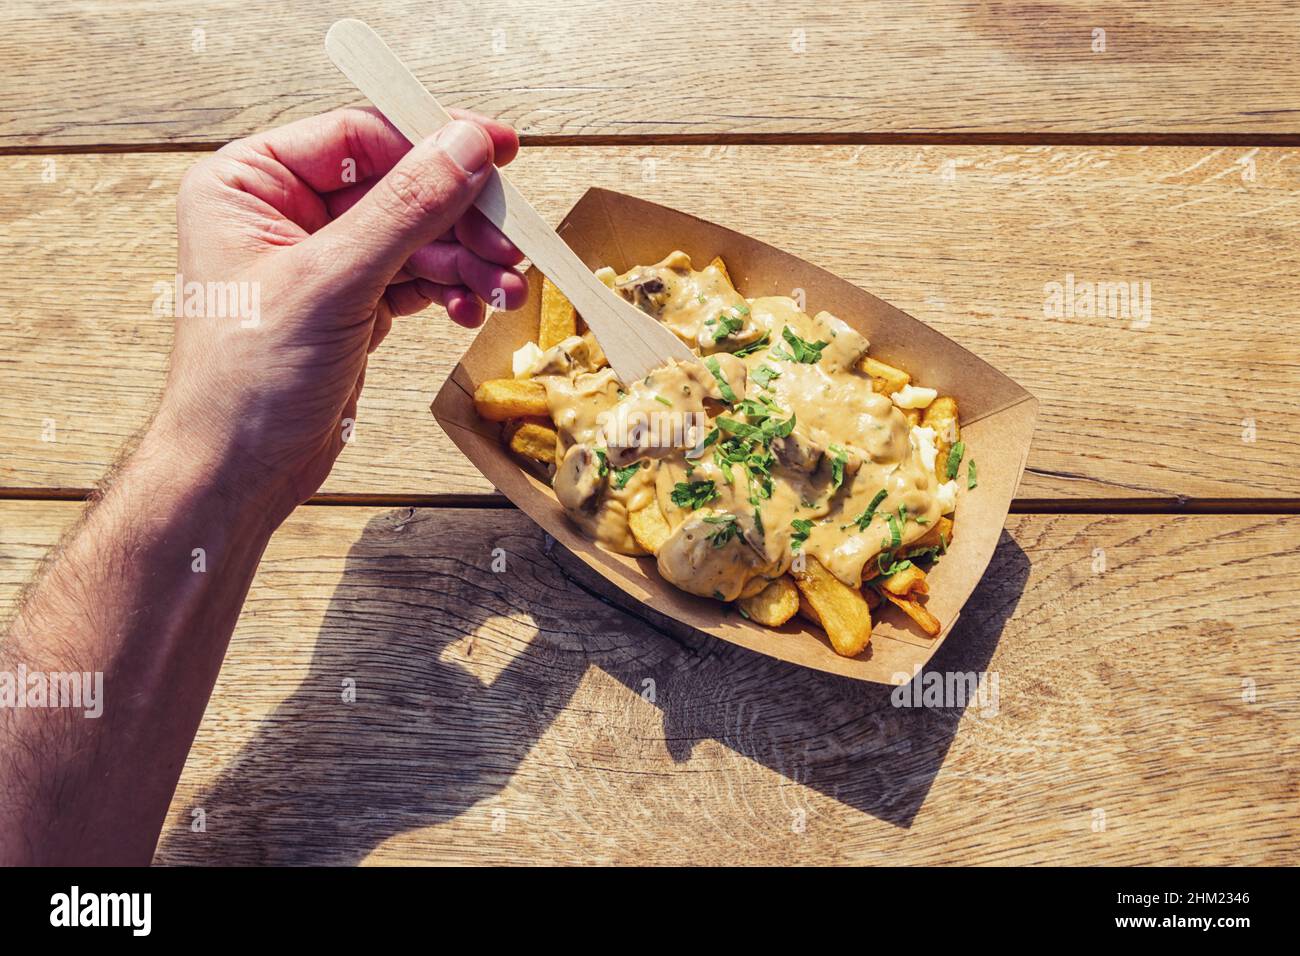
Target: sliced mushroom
{"x":578,"y":478}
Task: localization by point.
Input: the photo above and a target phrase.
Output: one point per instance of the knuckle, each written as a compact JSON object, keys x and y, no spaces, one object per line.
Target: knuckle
{"x":194,"y":179}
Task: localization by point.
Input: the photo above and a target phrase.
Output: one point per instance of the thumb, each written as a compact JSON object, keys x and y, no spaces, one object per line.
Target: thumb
{"x":430,"y":188}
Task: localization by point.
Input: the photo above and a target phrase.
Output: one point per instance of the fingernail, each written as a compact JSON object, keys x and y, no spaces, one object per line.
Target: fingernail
{"x":466,"y":144}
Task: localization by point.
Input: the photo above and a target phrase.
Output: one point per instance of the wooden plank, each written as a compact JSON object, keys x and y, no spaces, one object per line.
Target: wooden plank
{"x":1146,"y":708}
{"x":965,"y":238}
{"x":211,"y":71}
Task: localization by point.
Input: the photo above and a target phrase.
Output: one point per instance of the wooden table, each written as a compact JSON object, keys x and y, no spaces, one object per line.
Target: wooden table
{"x":954,"y":158}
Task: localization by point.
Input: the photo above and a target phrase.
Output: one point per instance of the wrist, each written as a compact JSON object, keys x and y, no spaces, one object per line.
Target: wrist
{"x":201,"y":472}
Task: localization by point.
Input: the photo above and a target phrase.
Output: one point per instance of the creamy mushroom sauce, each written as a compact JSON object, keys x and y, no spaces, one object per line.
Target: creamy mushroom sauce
{"x":757,"y":455}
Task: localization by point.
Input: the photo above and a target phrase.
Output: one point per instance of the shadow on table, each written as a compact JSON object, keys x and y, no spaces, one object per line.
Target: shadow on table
{"x":444,"y":715}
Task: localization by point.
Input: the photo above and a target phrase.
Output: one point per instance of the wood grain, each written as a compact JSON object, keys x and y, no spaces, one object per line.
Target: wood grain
{"x":965,"y":238}
{"x":218,"y":69}
{"x":523,"y":717}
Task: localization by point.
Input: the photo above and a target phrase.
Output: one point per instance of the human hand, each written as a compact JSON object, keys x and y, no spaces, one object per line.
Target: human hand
{"x":328,"y":229}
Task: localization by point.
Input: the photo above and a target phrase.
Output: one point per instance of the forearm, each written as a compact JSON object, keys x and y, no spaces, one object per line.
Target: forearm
{"x":130,"y":595}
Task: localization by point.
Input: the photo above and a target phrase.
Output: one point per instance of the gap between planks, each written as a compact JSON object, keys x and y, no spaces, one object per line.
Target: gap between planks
{"x":1020,"y":506}
{"x":1259,"y":140}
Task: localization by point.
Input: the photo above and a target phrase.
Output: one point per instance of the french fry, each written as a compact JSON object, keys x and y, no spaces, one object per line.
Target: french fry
{"x":774,"y":605}
{"x":649,"y":527}
{"x":916,"y":611}
{"x":913,"y":416}
{"x":885,"y":379}
{"x":809,"y":613}
{"x":721,"y":266}
{"x":559,"y":320}
{"x":842,"y":610}
{"x":910,"y":580}
{"x":500,"y":399}
{"x":940,"y":534}
{"x":942,"y":417}
{"x":533,"y":440}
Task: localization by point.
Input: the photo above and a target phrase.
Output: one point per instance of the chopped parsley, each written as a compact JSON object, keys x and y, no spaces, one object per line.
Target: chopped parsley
{"x":887,"y":564}
{"x":727,"y":528}
{"x":604,"y":463}
{"x":742,"y":429}
{"x":895,"y":533}
{"x":698,"y":450}
{"x":726,"y":325}
{"x":970,"y":474}
{"x":693,"y":494}
{"x":954,"y":459}
{"x":865,"y":518}
{"x":663,"y":401}
{"x":623,"y":475}
{"x":764,"y":374}
{"x":728,"y":394}
{"x":838,"y":459}
{"x":760,"y":343}
{"x":801,"y":350}
{"x":802,"y":528}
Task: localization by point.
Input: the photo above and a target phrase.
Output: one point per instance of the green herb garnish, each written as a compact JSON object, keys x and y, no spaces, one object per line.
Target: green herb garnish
{"x":663,"y":401}
{"x":801,"y":350}
{"x":887,"y":564}
{"x":839,"y":457}
{"x":954,"y":459}
{"x":623,"y":475}
{"x":728,"y":528}
{"x":693,"y":494}
{"x":865,"y":518}
{"x":698,"y":450}
{"x":728,"y":394}
{"x":764,"y":374}
{"x":759,"y":343}
{"x":603,"y":470}
{"x":895,"y":533}
{"x":726,"y":324}
{"x":802,"y":528}
{"x":970,"y":474}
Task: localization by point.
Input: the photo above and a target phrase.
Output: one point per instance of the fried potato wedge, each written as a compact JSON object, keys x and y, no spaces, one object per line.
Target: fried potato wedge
{"x":559,"y":319}
{"x":774,"y":605}
{"x":721,"y":266}
{"x":500,"y":399}
{"x":809,"y":613}
{"x":916,"y":611}
{"x":885,"y":379}
{"x":533,"y":440}
{"x":911,"y":580}
{"x":842,"y":610}
{"x":939,"y":535}
{"x":942,"y":417}
{"x":649,"y":527}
